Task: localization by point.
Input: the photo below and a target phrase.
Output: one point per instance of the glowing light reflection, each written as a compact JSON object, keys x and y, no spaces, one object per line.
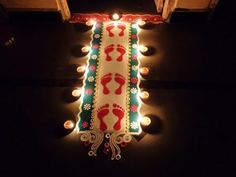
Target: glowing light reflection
{"x":115,"y":16}
{"x":90,"y":23}
{"x":85,"y":49}
{"x":144,"y":95}
{"x":69,"y":124}
{"x":141,"y":22}
{"x":81,"y":69}
{"x":144,"y":71}
{"x":145,"y":121}
{"x":143,"y":48}
{"x":77,"y":92}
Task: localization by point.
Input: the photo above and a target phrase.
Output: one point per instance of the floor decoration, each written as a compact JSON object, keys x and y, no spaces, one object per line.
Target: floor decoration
{"x":80,"y":18}
{"x":110,"y":102}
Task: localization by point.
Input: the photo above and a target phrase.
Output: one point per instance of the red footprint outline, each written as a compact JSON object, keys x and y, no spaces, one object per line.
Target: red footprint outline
{"x":104,"y":81}
{"x":121,"y":81}
{"x":119,"y":112}
{"x":109,"y":28}
{"x":121,"y":49}
{"x":108,"y":49}
{"x":101,"y":114}
{"x":122,"y":27}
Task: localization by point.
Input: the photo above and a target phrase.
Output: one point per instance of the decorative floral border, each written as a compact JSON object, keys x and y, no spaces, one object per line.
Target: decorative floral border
{"x":82,"y":18}
{"x":134,"y":80}
{"x":88,"y":95}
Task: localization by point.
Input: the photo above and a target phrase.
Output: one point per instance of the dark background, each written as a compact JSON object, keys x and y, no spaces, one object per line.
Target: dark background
{"x":191,"y":85}
{"x":104,"y":6}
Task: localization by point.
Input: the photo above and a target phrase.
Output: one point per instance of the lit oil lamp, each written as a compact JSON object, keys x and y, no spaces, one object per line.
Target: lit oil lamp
{"x":144,"y":71}
{"x":69,"y":124}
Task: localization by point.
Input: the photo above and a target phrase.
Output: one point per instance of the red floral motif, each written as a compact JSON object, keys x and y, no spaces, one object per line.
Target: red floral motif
{"x":134,"y":80}
{"x":85,"y":124}
{"x":95,"y":46}
{"x":134,"y":57}
{"x":89,"y":91}
{"x":133,"y":108}
{"x":98,"y":25}
{"x":92,"y":67}
{"x":134,"y":36}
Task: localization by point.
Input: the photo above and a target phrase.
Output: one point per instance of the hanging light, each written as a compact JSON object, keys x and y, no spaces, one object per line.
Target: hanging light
{"x":115,"y":16}
{"x":145,"y":121}
{"x":144,"y":71}
{"x":69,"y":124}
{"x":81,"y":69}
{"x":144,"y":95}
{"x":77,"y":92}
{"x":85,"y":49}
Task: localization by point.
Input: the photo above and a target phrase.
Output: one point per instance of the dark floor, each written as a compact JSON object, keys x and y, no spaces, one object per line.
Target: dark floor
{"x":192,"y":88}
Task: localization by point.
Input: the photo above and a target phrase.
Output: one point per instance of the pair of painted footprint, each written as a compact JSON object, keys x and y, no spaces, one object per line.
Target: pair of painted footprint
{"x":117,"y":110}
{"x":107,"y":78}
{"x":111,"y":26}
{"x":110,"y":48}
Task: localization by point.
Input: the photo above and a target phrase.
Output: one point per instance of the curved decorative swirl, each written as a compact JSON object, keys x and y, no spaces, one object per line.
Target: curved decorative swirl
{"x":115,"y":139}
{"x":95,"y":137}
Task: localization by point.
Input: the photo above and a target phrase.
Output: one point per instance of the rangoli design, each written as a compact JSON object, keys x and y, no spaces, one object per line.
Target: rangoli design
{"x":129,"y":18}
{"x":109,"y":111}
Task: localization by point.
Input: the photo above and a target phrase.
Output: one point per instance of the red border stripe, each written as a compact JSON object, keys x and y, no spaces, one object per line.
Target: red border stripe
{"x":82,"y":18}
